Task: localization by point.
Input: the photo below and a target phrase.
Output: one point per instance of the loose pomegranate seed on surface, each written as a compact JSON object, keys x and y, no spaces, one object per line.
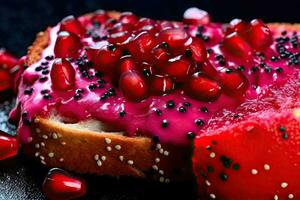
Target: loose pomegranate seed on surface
{"x":202,"y":88}
{"x":9,"y":146}
{"x":133,"y":86}
{"x":5,"y":80}
{"x":178,"y":67}
{"x":62,"y":75}
{"x":161,"y":84}
{"x":235,"y":45}
{"x":160,"y":55}
{"x":234,"y":83}
{"x":67,"y":45}
{"x":144,"y":22}
{"x":7,"y":60}
{"x":72,"y":25}
{"x":258,"y":35}
{"x":58,"y":184}
{"x":119,"y":27}
{"x":196,"y":16}
{"x":105,"y":58}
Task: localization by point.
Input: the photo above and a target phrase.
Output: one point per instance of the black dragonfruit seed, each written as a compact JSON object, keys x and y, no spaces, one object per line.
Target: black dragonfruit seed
{"x":164,"y":123}
{"x":170,"y":104}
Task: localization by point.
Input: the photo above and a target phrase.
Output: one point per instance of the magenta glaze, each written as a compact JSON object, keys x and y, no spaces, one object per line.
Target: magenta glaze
{"x":141,"y":118}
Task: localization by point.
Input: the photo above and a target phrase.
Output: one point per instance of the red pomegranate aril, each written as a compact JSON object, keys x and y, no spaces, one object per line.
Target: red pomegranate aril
{"x":128,"y":18}
{"x":5,"y":80}
{"x":144,"y":22}
{"x":126,"y":64}
{"x":161,"y":56}
{"x":175,"y":37}
{"x":72,"y":25}
{"x":119,"y":38}
{"x":196,"y":16}
{"x":258,"y":35}
{"x":236,"y":25}
{"x":9,"y":146}
{"x":62,"y":75}
{"x":100,"y":17}
{"x":141,"y":45}
{"x":106,"y":58}
{"x":234,"y":83}
{"x":208,"y":69}
{"x":178,"y":67}
{"x":198,"y":50}
{"x":161,"y":84}
{"x":59,"y":185}
{"x":67,"y":45}
{"x":202,"y":87}
{"x":163,"y":25}
{"x":119,"y":27}
{"x":236,"y":46}
{"x":7,"y":60}
{"x":133,"y":86}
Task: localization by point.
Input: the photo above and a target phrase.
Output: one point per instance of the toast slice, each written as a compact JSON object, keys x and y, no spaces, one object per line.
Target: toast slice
{"x":88,"y":147}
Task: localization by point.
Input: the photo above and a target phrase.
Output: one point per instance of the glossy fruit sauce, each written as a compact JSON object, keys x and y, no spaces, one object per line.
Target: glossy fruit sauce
{"x":160,"y":79}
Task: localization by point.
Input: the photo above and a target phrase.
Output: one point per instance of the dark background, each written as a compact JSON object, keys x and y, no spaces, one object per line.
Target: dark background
{"x":20,"y":20}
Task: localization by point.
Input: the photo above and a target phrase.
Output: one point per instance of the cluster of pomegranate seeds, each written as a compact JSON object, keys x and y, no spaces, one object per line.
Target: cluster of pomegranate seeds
{"x":243,"y":39}
{"x":144,"y":57}
{"x":9,"y":146}
{"x":58,"y":184}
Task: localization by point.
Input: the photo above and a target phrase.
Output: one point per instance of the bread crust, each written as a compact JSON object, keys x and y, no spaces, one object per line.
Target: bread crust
{"x":103,"y":153}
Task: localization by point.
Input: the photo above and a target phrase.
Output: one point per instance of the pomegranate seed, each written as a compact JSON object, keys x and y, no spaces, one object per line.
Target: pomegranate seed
{"x":133,"y":86}
{"x":72,"y":25}
{"x":236,"y":46}
{"x":58,"y":184}
{"x":128,"y":18}
{"x":126,"y":64}
{"x":202,"y":88}
{"x":234,"y":83}
{"x":62,"y":75}
{"x":100,"y":17}
{"x":144,"y":22}
{"x":106,"y":58}
{"x":178,"y":68}
{"x":141,"y":45}
{"x":161,"y":84}
{"x":7,"y":60}
{"x":198,"y":50}
{"x":161,"y":56}
{"x":208,"y":69}
{"x":67,"y":45}
{"x":163,"y":25}
{"x":119,"y":38}
{"x":258,"y":35}
{"x":236,"y":25}
{"x":9,"y":146}
{"x":175,"y":37}
{"x":196,"y":16}
{"x":5,"y":80}
{"x":119,"y":27}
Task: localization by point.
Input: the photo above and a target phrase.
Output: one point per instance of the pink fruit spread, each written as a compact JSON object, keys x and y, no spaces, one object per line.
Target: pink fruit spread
{"x":161,"y":79}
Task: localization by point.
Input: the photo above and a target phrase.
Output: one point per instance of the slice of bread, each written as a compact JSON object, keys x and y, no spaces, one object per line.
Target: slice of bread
{"x":87,"y":147}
